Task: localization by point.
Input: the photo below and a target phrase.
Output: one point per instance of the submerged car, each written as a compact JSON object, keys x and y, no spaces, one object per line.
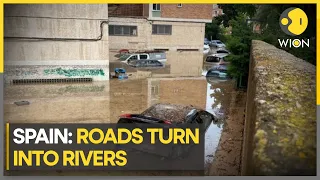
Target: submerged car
{"x":206,"y":49}
{"x":169,"y":115}
{"x":219,"y":72}
{"x":222,"y":51}
{"x":146,"y":64}
{"x":216,"y":59}
{"x":144,"y":55}
{"x":217,"y":43}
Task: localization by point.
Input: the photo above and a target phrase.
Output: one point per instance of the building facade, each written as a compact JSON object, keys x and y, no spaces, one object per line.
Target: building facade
{"x":216,"y":11}
{"x":51,"y":42}
{"x":172,"y":27}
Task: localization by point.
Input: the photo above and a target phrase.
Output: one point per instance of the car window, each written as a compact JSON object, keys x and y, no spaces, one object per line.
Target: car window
{"x":144,"y":56}
{"x":212,"y":72}
{"x":134,"y":57}
{"x":222,"y":51}
{"x":212,"y":59}
{"x":124,"y":57}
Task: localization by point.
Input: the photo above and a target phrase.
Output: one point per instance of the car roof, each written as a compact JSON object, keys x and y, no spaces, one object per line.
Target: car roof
{"x":172,"y":112}
{"x":219,"y":55}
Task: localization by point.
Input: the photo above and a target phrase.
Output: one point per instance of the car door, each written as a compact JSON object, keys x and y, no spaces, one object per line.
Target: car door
{"x":133,"y":58}
{"x":143,"y":64}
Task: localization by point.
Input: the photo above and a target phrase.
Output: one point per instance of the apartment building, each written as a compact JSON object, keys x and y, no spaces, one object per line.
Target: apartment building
{"x":216,"y":11}
{"x":50,"y":42}
{"x":171,"y":27}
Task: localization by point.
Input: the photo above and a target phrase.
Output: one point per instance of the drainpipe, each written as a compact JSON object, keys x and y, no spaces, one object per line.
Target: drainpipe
{"x":100,"y":37}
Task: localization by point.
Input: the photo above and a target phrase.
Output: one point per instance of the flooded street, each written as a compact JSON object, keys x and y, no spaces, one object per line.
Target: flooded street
{"x":180,"y":82}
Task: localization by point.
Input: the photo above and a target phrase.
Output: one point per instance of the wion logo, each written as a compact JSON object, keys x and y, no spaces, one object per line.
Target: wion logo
{"x":293,"y":21}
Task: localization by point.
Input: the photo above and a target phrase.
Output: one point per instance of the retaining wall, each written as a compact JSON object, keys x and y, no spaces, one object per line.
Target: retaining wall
{"x":280,"y":126}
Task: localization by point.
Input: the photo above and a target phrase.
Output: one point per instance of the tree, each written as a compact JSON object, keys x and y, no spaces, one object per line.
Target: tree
{"x":239,"y":44}
{"x":213,"y":30}
{"x":231,"y":11}
{"x":269,"y":16}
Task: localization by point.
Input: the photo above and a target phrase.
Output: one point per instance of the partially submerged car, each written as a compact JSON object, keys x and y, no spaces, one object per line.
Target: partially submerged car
{"x":219,"y":72}
{"x":217,"y":43}
{"x":169,"y":115}
{"x":222,"y":51}
{"x":147,"y":64}
{"x":144,"y":55}
{"x":206,"y":49}
{"x":216,"y":59}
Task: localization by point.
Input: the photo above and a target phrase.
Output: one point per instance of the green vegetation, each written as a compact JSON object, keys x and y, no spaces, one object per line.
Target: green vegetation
{"x":267,"y":16}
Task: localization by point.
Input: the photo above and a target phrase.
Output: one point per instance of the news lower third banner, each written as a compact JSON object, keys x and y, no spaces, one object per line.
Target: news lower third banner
{"x":104,"y":147}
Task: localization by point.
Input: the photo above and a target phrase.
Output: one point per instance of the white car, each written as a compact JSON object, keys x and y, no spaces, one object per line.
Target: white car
{"x":206,"y":49}
{"x":217,"y":43}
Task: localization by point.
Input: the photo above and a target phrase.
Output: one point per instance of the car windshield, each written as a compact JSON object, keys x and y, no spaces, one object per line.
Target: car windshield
{"x":219,"y":42}
{"x":212,"y":59}
{"x":222,"y":51}
{"x":124,"y":57}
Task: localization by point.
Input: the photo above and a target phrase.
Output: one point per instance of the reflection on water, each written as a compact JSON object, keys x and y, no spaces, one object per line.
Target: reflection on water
{"x":103,"y":102}
{"x":185,"y":63}
{"x":213,"y":133}
{"x":86,"y":102}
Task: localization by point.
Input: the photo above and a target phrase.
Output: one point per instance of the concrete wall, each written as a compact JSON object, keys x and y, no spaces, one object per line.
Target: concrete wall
{"x":280,"y":126}
{"x":145,"y":40}
{"x":130,"y":42}
{"x":185,"y":35}
{"x":80,"y":24}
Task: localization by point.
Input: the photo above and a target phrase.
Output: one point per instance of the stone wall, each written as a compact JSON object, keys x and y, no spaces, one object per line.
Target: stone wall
{"x":55,"y":35}
{"x":280,"y":126}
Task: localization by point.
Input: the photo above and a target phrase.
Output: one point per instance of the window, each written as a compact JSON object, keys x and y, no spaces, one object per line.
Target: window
{"x":156,"y":7}
{"x":162,"y":29}
{"x":144,"y":56}
{"x":116,"y":30}
{"x":179,"y":5}
{"x":134,"y":57}
{"x":213,"y":59}
{"x":155,"y":90}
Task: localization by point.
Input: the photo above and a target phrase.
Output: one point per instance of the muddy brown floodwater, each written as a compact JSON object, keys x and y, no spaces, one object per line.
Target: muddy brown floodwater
{"x":103,"y":102}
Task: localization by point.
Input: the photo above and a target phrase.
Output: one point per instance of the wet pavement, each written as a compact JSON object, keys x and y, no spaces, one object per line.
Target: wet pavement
{"x":103,"y":102}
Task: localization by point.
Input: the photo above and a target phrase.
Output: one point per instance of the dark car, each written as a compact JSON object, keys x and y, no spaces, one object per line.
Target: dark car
{"x":222,"y":51}
{"x":170,"y":115}
{"x":146,"y":64}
